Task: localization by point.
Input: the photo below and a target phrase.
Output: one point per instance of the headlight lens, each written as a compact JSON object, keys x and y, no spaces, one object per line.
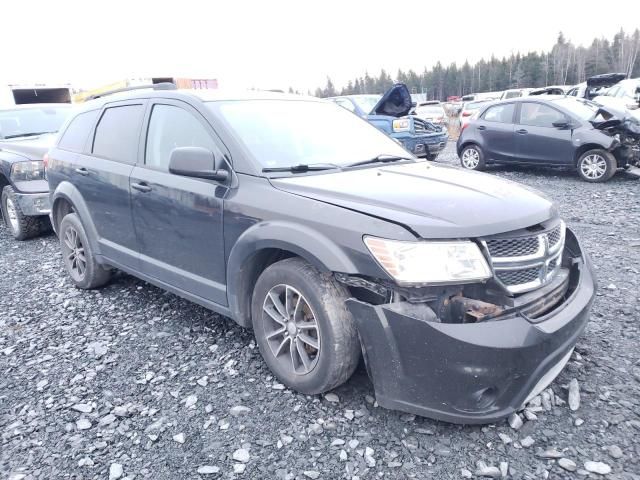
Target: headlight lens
{"x":429,"y":261}
{"x":25,"y":171}
{"x":402,"y":125}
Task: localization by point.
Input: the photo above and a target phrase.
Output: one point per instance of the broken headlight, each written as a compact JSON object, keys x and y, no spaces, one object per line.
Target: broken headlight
{"x":429,"y":261}
{"x":25,"y":171}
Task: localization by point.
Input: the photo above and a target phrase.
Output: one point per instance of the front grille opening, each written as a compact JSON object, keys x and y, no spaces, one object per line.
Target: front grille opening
{"x":518,"y":277}
{"x":513,"y":247}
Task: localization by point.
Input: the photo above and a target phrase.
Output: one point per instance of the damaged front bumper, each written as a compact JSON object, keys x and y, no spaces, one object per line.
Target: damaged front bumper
{"x":471,"y":372}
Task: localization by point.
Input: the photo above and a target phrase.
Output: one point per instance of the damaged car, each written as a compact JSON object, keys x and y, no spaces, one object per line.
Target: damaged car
{"x":391,"y":114}
{"x":552,"y":131}
{"x":596,"y":85}
{"x":464,"y":293}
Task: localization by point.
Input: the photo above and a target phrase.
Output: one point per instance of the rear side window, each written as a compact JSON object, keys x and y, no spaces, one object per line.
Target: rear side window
{"x":538,"y":115}
{"x":500,"y":113}
{"x":76,"y":134}
{"x":172,"y":127}
{"x":117,"y":133}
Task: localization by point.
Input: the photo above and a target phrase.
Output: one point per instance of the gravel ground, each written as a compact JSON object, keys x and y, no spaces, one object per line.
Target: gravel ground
{"x":130,"y":381}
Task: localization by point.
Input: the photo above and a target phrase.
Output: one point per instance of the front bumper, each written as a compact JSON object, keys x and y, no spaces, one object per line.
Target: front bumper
{"x":424,"y":144}
{"x":32,"y":204}
{"x":474,"y":372}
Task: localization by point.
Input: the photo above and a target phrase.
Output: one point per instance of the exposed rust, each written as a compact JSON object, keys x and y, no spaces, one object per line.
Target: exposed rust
{"x":471,"y":310}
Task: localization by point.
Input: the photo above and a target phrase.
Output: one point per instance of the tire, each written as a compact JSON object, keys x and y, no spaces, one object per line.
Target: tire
{"x":432,"y":156}
{"x":596,"y":165}
{"x":21,"y":226}
{"x":332,"y":348}
{"x":472,"y":158}
{"x":78,"y":258}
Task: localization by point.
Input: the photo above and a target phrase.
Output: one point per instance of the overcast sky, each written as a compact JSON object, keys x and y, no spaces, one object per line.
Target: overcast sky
{"x":277,"y":44}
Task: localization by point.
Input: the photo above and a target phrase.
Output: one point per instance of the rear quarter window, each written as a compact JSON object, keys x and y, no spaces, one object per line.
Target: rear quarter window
{"x":75,"y":136}
{"x":118,"y":132}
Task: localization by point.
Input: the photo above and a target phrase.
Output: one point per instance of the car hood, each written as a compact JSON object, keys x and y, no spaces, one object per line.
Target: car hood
{"x":396,"y":102}
{"x":33,"y":148}
{"x":432,"y":201}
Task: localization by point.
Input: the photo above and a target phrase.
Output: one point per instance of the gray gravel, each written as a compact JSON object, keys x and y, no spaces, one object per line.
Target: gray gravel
{"x":133,"y":382}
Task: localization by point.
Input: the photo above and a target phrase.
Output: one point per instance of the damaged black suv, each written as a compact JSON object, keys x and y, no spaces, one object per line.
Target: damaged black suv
{"x":465,"y":293}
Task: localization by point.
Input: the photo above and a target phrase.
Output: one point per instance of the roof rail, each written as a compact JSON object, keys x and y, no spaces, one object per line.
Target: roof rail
{"x":154,"y":86}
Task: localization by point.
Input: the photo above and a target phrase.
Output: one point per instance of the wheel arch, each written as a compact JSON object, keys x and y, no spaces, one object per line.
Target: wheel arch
{"x":269,"y":242}
{"x":66,"y":199}
{"x":582,"y":149}
{"x":466,"y":144}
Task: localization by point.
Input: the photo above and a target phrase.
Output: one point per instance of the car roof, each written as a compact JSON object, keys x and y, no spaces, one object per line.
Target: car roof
{"x":205,"y":95}
{"x":30,"y":106}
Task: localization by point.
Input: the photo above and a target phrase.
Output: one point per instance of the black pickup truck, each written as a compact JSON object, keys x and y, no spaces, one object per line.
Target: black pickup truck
{"x":26,"y":133}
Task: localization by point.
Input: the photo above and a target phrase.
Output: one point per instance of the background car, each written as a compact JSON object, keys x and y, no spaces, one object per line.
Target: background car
{"x":553,"y":131}
{"x":468,"y":110}
{"x":26,"y":133}
{"x":432,"y":112}
{"x":391,"y":114}
{"x":596,"y":85}
{"x":623,"y":95}
{"x":515,"y":93}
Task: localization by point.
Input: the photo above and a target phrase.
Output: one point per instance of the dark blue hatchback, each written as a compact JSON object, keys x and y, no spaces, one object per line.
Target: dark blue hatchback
{"x":554,"y":131}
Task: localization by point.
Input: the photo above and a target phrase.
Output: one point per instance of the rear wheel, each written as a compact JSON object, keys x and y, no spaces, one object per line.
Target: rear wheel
{"x":21,"y":226}
{"x":596,"y":165}
{"x":472,"y":158}
{"x":79,"y":260}
{"x":304,"y":331}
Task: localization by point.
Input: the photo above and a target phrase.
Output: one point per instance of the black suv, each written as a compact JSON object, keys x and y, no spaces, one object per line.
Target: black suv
{"x":465,"y":293}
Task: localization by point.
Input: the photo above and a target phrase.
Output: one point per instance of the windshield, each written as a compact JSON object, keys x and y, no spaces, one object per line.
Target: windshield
{"x":581,"y":109}
{"x":429,"y":110}
{"x":283,"y":133}
{"x":29,"y":121}
{"x":366,"y":102}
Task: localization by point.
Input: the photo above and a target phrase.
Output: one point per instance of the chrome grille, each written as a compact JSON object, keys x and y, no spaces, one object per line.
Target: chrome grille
{"x":526,"y":262}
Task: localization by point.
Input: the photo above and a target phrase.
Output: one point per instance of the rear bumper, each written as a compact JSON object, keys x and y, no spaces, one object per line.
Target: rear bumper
{"x":469,"y":373}
{"x":32,"y":204}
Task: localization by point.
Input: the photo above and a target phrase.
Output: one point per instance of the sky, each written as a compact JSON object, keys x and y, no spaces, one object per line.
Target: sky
{"x":278,"y":43}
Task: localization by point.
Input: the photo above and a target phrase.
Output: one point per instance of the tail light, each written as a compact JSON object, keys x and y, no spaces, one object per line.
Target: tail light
{"x":45,"y":160}
{"x":467,"y":114}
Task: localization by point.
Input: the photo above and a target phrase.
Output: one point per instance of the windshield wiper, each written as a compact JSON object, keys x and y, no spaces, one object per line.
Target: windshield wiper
{"x":382,"y":158}
{"x":30,"y":134}
{"x":301,"y":168}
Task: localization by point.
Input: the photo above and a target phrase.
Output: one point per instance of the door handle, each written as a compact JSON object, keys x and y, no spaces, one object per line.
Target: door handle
{"x":141,"y":187}
{"x":481,"y":127}
{"x":82,"y":171}
{"x":522,"y":131}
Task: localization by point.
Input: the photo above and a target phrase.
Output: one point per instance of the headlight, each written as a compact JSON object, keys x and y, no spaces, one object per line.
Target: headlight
{"x":24,"y":171}
{"x":429,"y":261}
{"x":402,"y":125}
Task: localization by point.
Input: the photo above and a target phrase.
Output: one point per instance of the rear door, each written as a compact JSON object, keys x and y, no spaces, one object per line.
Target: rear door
{"x":102,"y":177}
{"x":178,"y":220}
{"x":495,"y":129}
{"x":537,"y":140}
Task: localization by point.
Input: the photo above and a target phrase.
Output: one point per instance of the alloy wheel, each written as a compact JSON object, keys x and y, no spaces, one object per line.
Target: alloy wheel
{"x":291,"y":329}
{"x":74,"y":254}
{"x":593,"y":166}
{"x":12,"y":215}
{"x":470,"y":158}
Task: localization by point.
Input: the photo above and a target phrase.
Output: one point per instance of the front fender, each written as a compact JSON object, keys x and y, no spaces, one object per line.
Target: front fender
{"x":303,"y":241}
{"x":67,"y":191}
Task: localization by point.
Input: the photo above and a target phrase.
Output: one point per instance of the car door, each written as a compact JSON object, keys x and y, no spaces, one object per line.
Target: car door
{"x":102,"y":177}
{"x":495,"y":129}
{"x":177,"y":219}
{"x":538,"y":140}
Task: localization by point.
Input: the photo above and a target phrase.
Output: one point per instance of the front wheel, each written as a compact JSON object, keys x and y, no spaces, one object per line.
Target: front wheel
{"x":596,"y":165}
{"x":472,"y":158}
{"x":303,"y":329}
{"x":432,"y":156}
{"x":21,"y":226}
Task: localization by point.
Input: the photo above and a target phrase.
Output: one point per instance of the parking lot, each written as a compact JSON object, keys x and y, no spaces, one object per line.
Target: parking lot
{"x":135,"y":380}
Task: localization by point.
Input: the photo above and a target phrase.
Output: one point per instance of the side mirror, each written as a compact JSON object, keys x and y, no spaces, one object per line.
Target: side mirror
{"x":196,"y":162}
{"x":562,"y":124}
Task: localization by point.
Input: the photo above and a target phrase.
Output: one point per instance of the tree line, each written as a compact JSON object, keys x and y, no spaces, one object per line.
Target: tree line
{"x":564,"y":64}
